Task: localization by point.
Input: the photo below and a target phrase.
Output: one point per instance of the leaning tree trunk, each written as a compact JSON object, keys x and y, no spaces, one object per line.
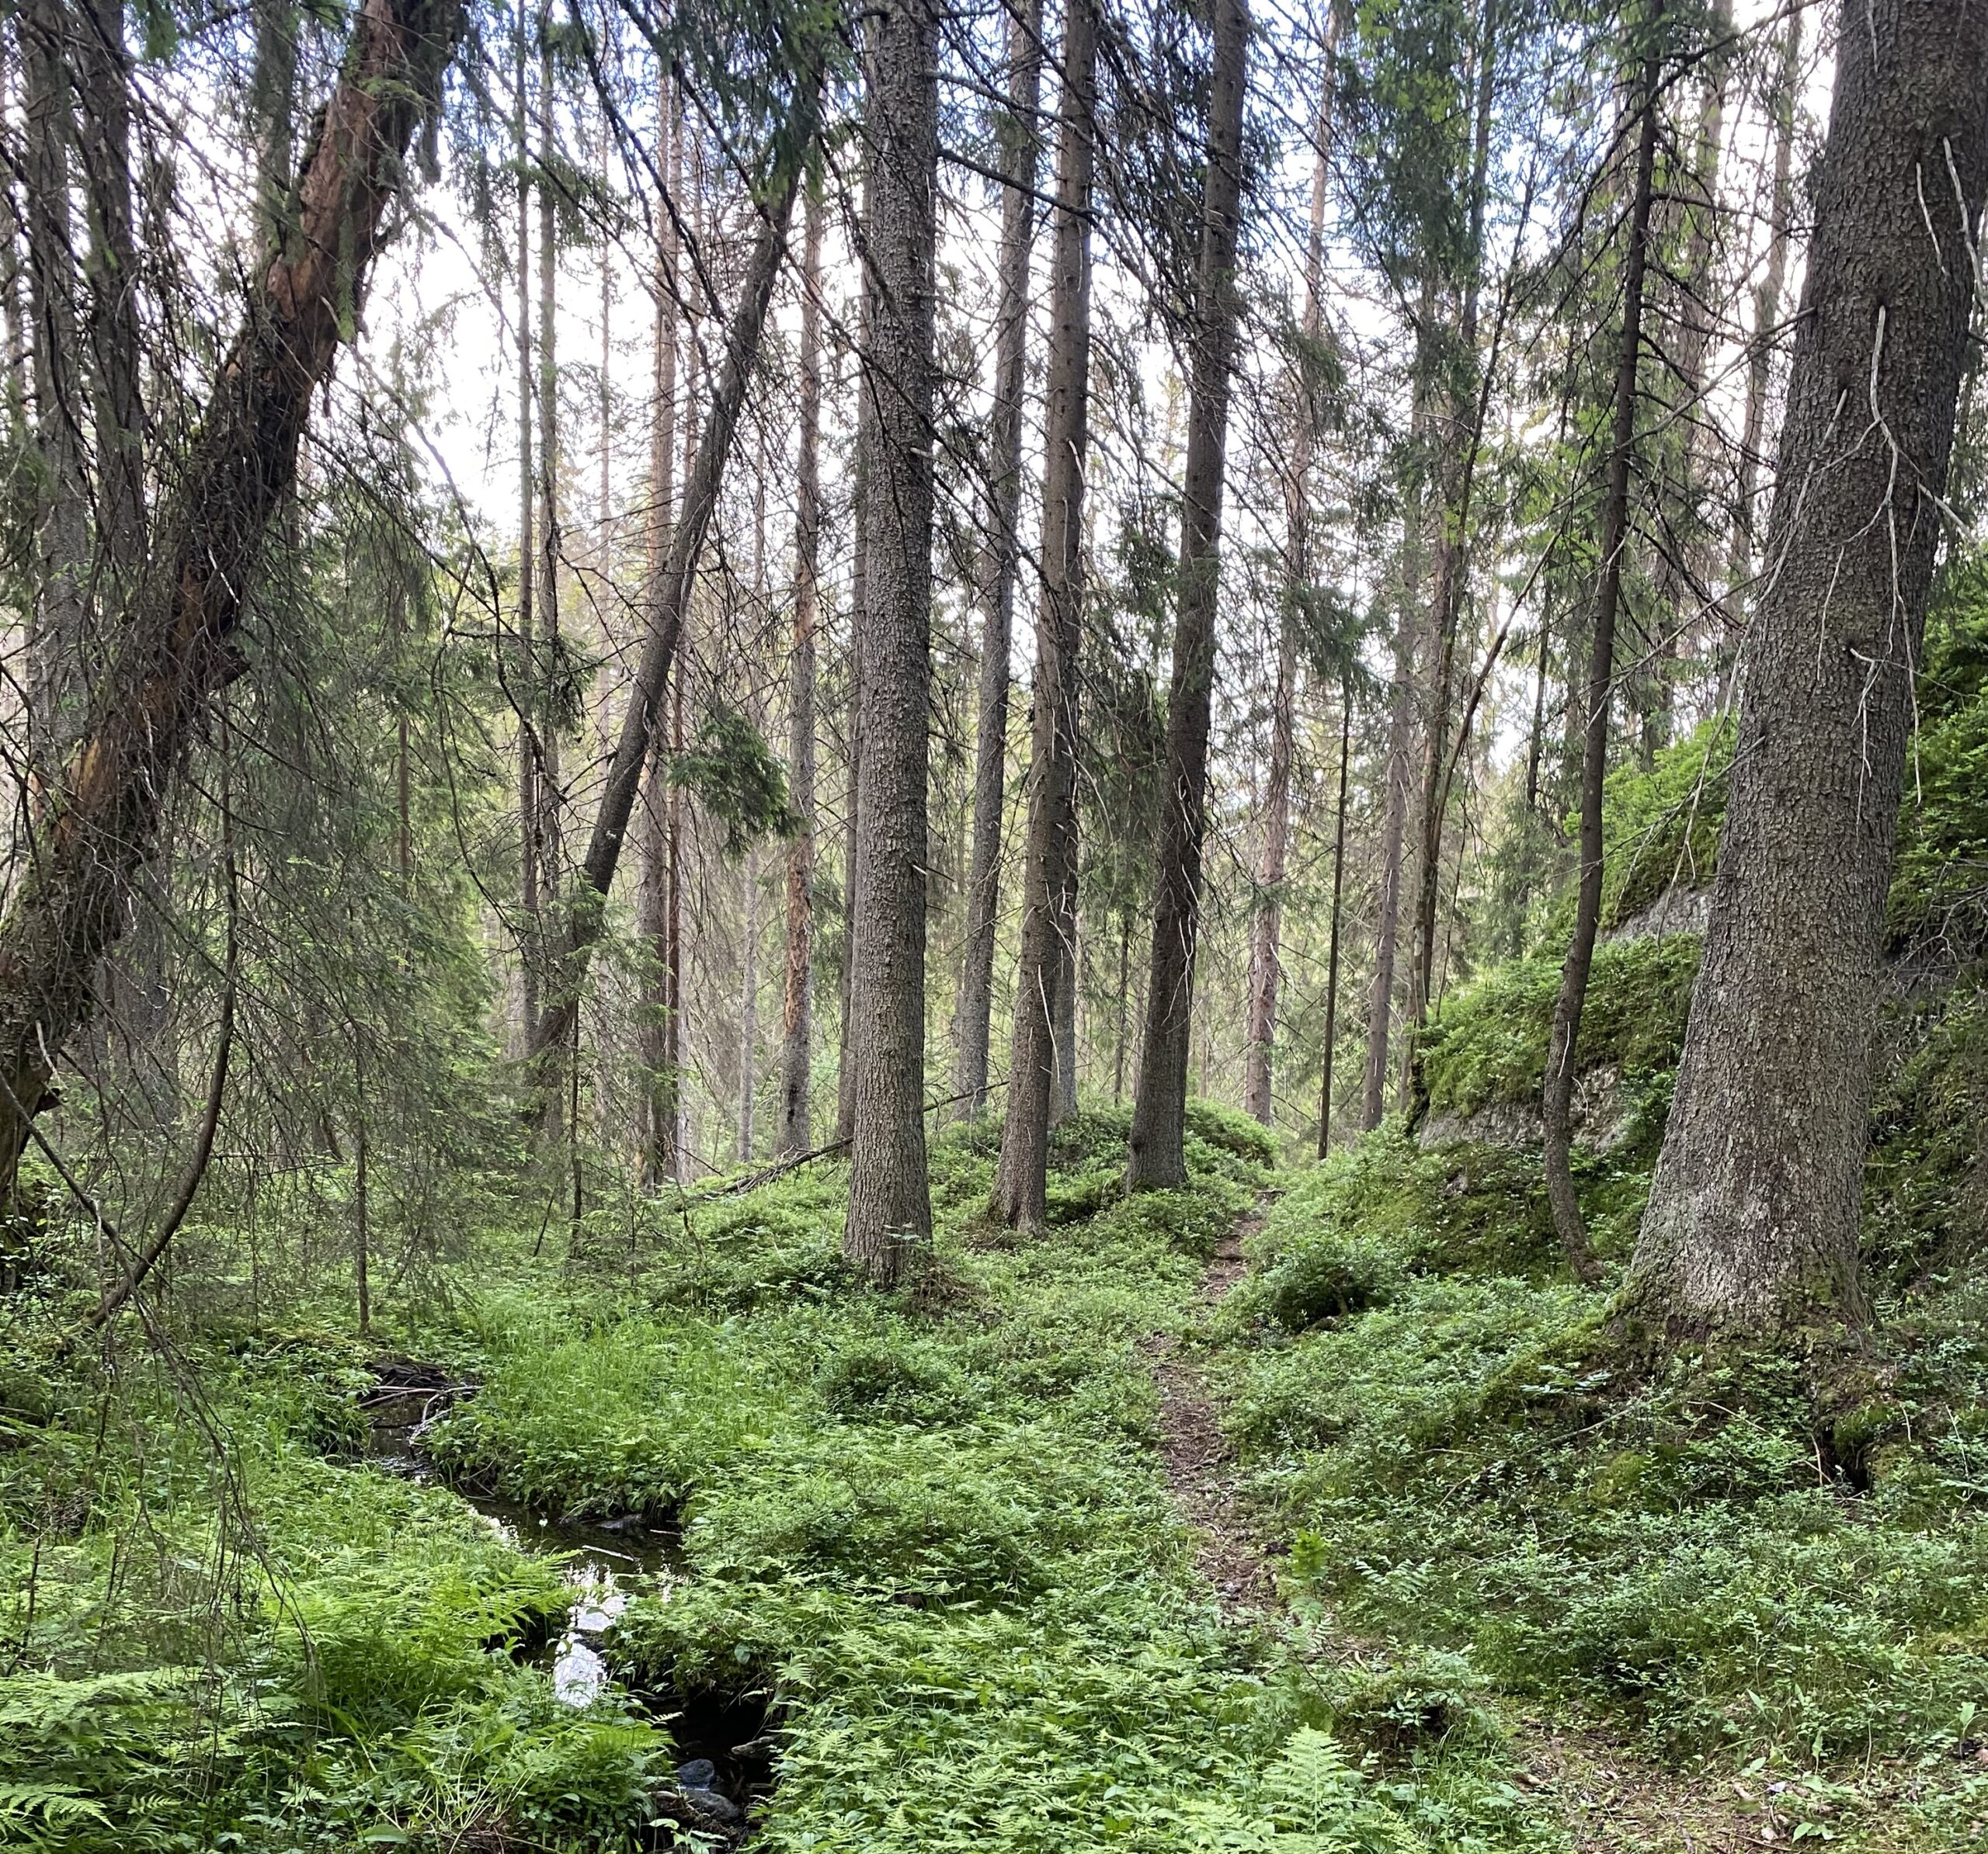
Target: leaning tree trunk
{"x":174,"y":650}
{"x":1160,"y":1106}
{"x":796,"y":997}
{"x":585,"y":918}
{"x":1001,"y":552}
{"x":1752,"y":1225}
{"x":889,"y":1219}
{"x":1563,"y":1045}
{"x":1049,"y":874}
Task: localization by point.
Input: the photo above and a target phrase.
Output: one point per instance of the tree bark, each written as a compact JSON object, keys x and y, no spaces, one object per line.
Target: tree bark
{"x":1160,"y":1106}
{"x":1563,"y":1045}
{"x":174,"y":648}
{"x":1049,"y":865}
{"x":1332,"y":954}
{"x":585,"y":916}
{"x":796,"y":997}
{"x":1000,"y":554}
{"x":59,"y":621}
{"x":524,"y":699}
{"x":889,"y":1219}
{"x":1752,"y":1225}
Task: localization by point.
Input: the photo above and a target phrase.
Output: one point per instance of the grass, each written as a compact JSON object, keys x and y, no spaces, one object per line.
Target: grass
{"x":929,"y":1531}
{"x":1706,"y":1560}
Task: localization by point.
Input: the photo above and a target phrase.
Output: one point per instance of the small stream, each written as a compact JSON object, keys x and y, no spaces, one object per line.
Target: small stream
{"x":724,"y":1741}
{"x":608,"y":1563}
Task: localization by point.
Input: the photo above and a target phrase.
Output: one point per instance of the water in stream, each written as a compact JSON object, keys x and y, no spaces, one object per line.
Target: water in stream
{"x":606,"y":1564}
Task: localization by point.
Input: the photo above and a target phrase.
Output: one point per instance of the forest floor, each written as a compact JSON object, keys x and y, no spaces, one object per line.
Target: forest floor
{"x":1606,"y":1795}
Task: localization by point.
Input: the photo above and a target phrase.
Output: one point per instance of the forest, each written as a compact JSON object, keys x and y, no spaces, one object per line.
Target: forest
{"x":1047,"y":927}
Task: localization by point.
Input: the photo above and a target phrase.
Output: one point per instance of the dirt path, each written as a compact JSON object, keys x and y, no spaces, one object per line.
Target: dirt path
{"x":1200,"y":1471}
{"x":1609,"y":1798}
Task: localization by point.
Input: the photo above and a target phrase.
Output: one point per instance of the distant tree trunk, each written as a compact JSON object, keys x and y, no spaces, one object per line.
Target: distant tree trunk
{"x":1049,"y":863}
{"x":1000,"y":554}
{"x":272,"y":105}
{"x":652,"y":894}
{"x":1457,"y":473}
{"x":584,"y":918}
{"x":1562,"y":1048}
{"x":550,"y":541}
{"x":174,"y":649}
{"x":1266,"y":922}
{"x":524,"y":698}
{"x":1394,"y":804}
{"x":1158,"y":1153}
{"x":796,"y":997}
{"x":889,"y":1219}
{"x":1760,"y":349}
{"x":1752,"y":1225}
{"x":748,"y":1013}
{"x":1332,"y":954}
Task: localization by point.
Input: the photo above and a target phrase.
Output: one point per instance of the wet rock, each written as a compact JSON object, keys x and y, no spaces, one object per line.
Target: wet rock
{"x":699,"y":1773}
{"x":714,"y":1807}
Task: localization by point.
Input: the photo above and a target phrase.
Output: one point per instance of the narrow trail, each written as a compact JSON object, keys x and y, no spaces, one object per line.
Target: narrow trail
{"x":1610,"y":1798}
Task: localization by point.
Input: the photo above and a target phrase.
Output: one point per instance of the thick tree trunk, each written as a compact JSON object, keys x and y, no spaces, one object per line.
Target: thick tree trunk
{"x":1000,"y":551}
{"x":549,"y":544}
{"x":1394,"y":821}
{"x":1332,"y":952}
{"x":1049,"y":869}
{"x":585,"y":915}
{"x":1158,"y":1155}
{"x":889,"y":1219}
{"x":1752,"y":1226}
{"x":174,"y":648}
{"x":796,"y":997}
{"x":1563,"y":1046}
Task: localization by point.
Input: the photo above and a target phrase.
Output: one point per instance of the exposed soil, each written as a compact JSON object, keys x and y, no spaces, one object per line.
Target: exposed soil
{"x":1200,"y":1471}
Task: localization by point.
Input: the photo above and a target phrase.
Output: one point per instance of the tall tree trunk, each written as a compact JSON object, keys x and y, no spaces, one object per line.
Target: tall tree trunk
{"x":550,"y":542}
{"x":1158,"y":1110}
{"x":1049,"y":866}
{"x":174,"y":648}
{"x":1000,"y":554}
{"x":1266,"y":922}
{"x":584,"y":917}
{"x":889,"y":1219}
{"x":1563,"y":1046}
{"x":110,"y":271}
{"x":1759,"y":353}
{"x":1394,"y":804}
{"x":1332,"y":952}
{"x":1457,"y":473}
{"x":748,"y":1013}
{"x":524,"y":699}
{"x":796,"y":997}
{"x":1681,"y":570}
{"x":1752,"y":1225}
{"x":59,"y":623}
{"x":652,"y":894}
